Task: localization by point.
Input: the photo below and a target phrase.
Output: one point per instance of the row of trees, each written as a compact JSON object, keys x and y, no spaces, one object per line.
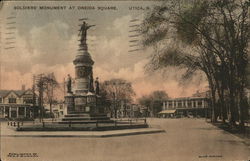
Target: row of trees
{"x":115,"y":94}
{"x":154,"y":101}
{"x":211,"y":37}
{"x":118,"y":92}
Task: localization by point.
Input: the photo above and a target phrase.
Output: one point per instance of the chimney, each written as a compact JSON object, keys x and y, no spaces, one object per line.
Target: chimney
{"x":23,"y":87}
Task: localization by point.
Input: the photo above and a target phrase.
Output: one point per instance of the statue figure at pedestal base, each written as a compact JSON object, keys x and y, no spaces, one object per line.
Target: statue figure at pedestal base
{"x":69,"y":83}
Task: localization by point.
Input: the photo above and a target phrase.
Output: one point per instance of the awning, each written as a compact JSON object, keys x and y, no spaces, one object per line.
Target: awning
{"x":167,"y":112}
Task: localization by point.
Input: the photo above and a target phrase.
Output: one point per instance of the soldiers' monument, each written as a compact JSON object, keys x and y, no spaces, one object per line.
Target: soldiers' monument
{"x":83,"y":103}
{"x":85,"y":107}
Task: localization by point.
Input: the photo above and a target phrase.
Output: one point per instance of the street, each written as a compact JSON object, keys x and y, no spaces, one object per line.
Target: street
{"x":185,"y":140}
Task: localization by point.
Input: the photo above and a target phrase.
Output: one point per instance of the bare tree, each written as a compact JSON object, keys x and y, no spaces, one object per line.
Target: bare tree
{"x":51,"y":84}
{"x":153,"y":101}
{"x":118,"y":90}
{"x":45,"y":84}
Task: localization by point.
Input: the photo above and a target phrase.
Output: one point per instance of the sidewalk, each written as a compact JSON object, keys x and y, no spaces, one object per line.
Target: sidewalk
{"x":6,"y":131}
{"x":244,"y":137}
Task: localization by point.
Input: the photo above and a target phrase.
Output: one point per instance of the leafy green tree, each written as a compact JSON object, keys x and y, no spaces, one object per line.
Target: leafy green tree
{"x":208,"y":36}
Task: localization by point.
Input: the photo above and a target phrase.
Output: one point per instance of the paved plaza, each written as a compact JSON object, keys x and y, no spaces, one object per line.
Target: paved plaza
{"x":184,"y":140}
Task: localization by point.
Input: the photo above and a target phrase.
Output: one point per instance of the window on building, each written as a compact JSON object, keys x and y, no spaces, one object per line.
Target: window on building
{"x":189,"y":104}
{"x":195,"y":103}
{"x":199,"y":103}
{"x":179,"y":104}
{"x":28,"y":100}
{"x":12,"y":100}
{"x":1,"y":100}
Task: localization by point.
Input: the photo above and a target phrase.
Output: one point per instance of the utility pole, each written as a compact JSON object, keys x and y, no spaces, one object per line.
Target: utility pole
{"x":40,"y":85}
{"x":64,"y":84}
{"x":0,"y":69}
{"x":52,"y":84}
{"x":115,"y":105}
{"x":0,"y":55}
{"x":34,"y":95}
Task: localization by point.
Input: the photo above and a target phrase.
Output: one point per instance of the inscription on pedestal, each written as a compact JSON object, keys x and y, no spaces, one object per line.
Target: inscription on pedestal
{"x":80,"y":103}
{"x":83,"y":71}
{"x":69,"y":100}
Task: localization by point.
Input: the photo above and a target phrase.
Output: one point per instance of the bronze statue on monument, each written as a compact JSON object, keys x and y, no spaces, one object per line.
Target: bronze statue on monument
{"x":83,"y":32}
{"x":97,"y":88}
{"x":91,"y":86}
{"x":69,"y":83}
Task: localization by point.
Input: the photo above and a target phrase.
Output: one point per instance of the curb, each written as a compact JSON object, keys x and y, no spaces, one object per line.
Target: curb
{"x":92,"y":135}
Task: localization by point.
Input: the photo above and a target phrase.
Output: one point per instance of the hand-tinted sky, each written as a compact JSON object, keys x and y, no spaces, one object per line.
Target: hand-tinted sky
{"x":46,"y":41}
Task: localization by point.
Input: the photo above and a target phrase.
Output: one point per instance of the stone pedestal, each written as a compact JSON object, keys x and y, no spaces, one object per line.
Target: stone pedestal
{"x":70,"y":103}
{"x":84,"y":108}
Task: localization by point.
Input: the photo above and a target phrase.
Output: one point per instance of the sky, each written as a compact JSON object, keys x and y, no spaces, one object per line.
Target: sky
{"x":46,"y":40}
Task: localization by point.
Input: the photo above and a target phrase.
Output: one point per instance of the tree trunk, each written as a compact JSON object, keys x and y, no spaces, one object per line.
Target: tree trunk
{"x":213,"y":102}
{"x":50,"y":108}
{"x":243,"y":105}
{"x":221,"y":103}
{"x":232,"y":107}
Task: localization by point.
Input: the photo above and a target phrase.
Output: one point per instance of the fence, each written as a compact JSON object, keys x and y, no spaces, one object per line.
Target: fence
{"x":70,"y":124}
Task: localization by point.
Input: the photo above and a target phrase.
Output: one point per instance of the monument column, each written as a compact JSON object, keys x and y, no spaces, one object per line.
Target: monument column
{"x":83,"y":64}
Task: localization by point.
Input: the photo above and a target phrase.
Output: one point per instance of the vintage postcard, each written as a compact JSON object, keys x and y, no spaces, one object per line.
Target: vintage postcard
{"x":123,"y":80}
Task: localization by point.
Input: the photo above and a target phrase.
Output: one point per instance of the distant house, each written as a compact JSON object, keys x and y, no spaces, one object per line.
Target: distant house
{"x":17,"y":103}
{"x":58,"y":109}
{"x":144,"y":111}
{"x":129,"y":110}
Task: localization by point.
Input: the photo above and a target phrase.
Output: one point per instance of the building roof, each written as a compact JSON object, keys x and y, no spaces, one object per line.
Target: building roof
{"x":167,"y":112}
{"x":4,"y":93}
{"x":20,"y":92}
{"x":197,"y":95}
{"x":90,"y":94}
{"x":185,"y":98}
{"x":200,"y":94}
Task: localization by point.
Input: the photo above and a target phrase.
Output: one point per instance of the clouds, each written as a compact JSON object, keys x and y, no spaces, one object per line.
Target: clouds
{"x":52,"y":47}
{"x":114,"y":61}
{"x":113,"y":50}
{"x":47,"y":45}
{"x":53,"y":44}
{"x":46,"y":49}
